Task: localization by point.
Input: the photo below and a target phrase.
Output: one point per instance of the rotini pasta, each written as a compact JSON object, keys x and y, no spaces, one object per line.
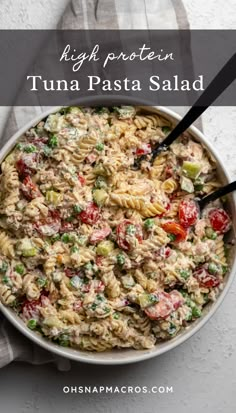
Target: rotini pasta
{"x":100,"y":248}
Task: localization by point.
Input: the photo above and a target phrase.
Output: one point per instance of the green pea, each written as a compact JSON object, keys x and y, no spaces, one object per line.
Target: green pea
{"x":3,"y":267}
{"x":213,"y":268}
{"x":210,"y":233}
{"x":172,"y":237}
{"x":55,"y":238}
{"x":185,"y":274}
{"x":196,"y":312}
{"x":20,"y":269}
{"x":32,"y":324}
{"x":120,"y":259}
{"x":66,"y":238}
{"x":74,"y":249}
{"x":165,"y":129}
{"x":116,"y":316}
{"x":149,"y":223}
{"x":64,"y":340}
{"x":30,"y":149}
{"x":53,"y":141}
{"x":99,"y":147}
{"x":6,"y":280}
{"x":19,"y":146}
{"x":131,"y":229}
{"x":47,"y":151}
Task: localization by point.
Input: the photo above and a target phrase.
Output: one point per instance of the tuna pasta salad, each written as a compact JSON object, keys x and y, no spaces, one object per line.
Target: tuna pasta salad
{"x":100,"y":248}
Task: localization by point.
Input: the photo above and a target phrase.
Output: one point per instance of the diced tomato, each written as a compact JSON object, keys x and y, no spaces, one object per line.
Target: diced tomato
{"x":50,"y":225}
{"x":30,"y":309}
{"x":99,"y":235}
{"x":85,"y":288}
{"x":172,"y":227}
{"x":99,"y":286}
{"x":91,"y":158}
{"x":66,"y":226}
{"x":176,"y":298}
{"x":220,"y":220}
{"x":29,"y":188}
{"x":144,"y":149}
{"x":27,"y":164}
{"x":90,"y":215}
{"x":81,"y":179}
{"x":167,"y":252}
{"x":77,"y":305}
{"x":206,"y":279}
{"x":162,"y":309}
{"x":188,"y":213}
{"x":99,"y":260}
{"x":69,"y":272}
{"x":169,"y":171}
{"x":121,"y":234}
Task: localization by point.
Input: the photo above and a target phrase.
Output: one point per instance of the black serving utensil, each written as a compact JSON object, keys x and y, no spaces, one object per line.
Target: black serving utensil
{"x":220,"y":82}
{"x":224,"y":190}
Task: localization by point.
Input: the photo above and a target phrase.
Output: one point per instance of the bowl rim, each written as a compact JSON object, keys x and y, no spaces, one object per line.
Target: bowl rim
{"x":116,"y":356}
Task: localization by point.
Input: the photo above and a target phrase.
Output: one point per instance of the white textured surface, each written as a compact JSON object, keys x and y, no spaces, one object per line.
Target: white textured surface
{"x":202,"y":370}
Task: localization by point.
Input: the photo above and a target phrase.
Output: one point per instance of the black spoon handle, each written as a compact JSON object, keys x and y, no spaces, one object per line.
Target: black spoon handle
{"x":220,"y":82}
{"x":217,"y":194}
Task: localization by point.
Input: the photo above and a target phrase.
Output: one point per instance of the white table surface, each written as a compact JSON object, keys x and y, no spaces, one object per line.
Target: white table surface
{"x":202,"y":370}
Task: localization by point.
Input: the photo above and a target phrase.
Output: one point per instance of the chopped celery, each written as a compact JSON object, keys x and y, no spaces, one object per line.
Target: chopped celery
{"x":104,"y":248}
{"x":186,"y":184}
{"x":146,"y":300}
{"x":100,"y":196}
{"x":74,"y":110}
{"x":54,"y":197}
{"x":99,"y":170}
{"x":29,"y":252}
{"x":127,"y":281}
{"x":191,"y":169}
{"x":210,"y":233}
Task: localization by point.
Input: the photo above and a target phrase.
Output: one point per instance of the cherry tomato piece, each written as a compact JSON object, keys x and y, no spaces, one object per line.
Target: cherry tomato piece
{"x":121,"y":234}
{"x":206,"y":279}
{"x":27,"y":164}
{"x":82,"y":180}
{"x":220,"y":220}
{"x":188,"y":213}
{"x":162,"y":309}
{"x":30,"y":189}
{"x":172,"y":227}
{"x":99,"y":235}
{"x":144,"y":149}
{"x":90,"y":215}
{"x":50,"y":225}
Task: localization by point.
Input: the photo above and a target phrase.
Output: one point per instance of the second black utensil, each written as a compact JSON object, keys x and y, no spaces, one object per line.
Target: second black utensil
{"x":216,"y":194}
